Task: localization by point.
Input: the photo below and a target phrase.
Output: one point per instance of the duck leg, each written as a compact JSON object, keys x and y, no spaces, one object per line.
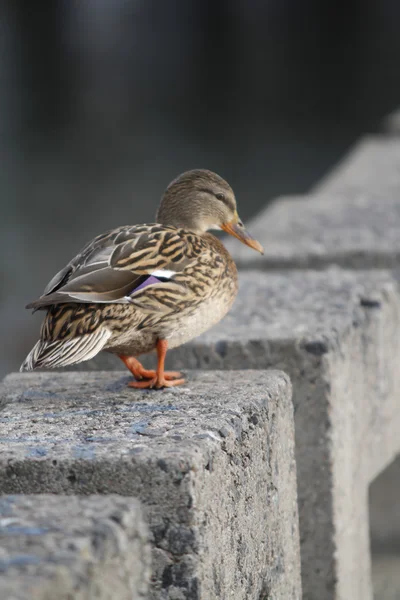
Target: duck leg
{"x":158,"y":378}
{"x":139,"y":372}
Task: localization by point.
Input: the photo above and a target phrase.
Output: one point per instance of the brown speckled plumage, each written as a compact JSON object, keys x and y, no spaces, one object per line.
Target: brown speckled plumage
{"x":134,"y":287}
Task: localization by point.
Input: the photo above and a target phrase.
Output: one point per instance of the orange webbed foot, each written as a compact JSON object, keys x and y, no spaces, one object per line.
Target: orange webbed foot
{"x":155,"y":383}
{"x":150,"y":374}
{"x":147,"y":378}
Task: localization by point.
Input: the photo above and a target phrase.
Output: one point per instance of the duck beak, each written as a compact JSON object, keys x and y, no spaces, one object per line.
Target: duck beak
{"x":237,"y":229}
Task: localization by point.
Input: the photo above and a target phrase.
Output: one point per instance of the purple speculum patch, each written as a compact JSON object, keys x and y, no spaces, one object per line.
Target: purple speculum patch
{"x":149,"y":281}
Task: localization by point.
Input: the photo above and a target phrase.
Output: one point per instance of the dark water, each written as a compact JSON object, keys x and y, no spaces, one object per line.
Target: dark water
{"x":103,"y":103}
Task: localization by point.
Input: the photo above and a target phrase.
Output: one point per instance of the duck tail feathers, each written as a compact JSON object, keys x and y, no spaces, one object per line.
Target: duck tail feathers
{"x":49,"y":354}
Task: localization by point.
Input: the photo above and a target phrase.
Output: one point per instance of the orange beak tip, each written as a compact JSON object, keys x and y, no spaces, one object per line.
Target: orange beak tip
{"x":239,"y":232}
{"x":256,"y":246}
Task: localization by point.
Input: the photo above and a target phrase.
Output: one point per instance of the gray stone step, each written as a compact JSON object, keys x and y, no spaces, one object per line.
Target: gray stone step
{"x":371,"y":166}
{"x":63,"y":547}
{"x":374,"y":164}
{"x":336,"y":334}
{"x":212,"y":463}
{"x":352,"y":219}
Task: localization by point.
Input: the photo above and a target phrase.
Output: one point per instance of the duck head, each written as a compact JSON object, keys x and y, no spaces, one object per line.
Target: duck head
{"x":201,"y":201}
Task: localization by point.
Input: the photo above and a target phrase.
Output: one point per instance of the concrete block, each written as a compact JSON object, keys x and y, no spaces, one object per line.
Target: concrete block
{"x":212,"y":464}
{"x":372,"y":165}
{"x":352,"y":219}
{"x":336,"y":334}
{"x":361,"y":199}
{"x":63,"y":547}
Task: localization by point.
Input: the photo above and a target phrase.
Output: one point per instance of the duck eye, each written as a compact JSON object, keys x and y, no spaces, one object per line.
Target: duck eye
{"x":220,"y":196}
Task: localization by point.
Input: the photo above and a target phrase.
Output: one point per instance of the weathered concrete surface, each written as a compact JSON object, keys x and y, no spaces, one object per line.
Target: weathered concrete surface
{"x":372,"y":165}
{"x":352,"y":219}
{"x":336,"y":334}
{"x":63,"y":547}
{"x":212,"y":463}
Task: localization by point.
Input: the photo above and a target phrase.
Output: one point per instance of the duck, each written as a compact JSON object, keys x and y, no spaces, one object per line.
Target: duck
{"x":140,"y":288}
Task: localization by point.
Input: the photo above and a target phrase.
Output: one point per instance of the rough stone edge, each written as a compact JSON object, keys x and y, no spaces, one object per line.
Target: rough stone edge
{"x":367,"y":143}
{"x":49,"y":552}
{"x":321,"y":385}
{"x":196,"y":462}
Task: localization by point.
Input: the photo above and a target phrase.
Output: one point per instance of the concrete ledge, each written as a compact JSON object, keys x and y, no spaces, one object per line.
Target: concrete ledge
{"x":372,"y":166}
{"x":336,"y":334}
{"x":352,"y":219}
{"x":71,"y":547}
{"x":348,"y":229}
{"x":212,"y":463}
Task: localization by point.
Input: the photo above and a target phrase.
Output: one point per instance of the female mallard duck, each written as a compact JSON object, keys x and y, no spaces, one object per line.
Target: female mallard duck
{"x":144,"y":287}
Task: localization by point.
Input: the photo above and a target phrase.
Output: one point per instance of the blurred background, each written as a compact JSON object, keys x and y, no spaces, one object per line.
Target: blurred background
{"x":103,"y":102}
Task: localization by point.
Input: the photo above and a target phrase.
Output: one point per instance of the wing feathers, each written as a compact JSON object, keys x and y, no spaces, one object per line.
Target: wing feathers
{"x":58,"y":280}
{"x":103,"y":285}
{"x":111,"y":266}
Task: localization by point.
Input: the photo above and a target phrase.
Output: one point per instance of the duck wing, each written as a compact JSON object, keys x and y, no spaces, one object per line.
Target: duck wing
{"x":118,"y":263}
